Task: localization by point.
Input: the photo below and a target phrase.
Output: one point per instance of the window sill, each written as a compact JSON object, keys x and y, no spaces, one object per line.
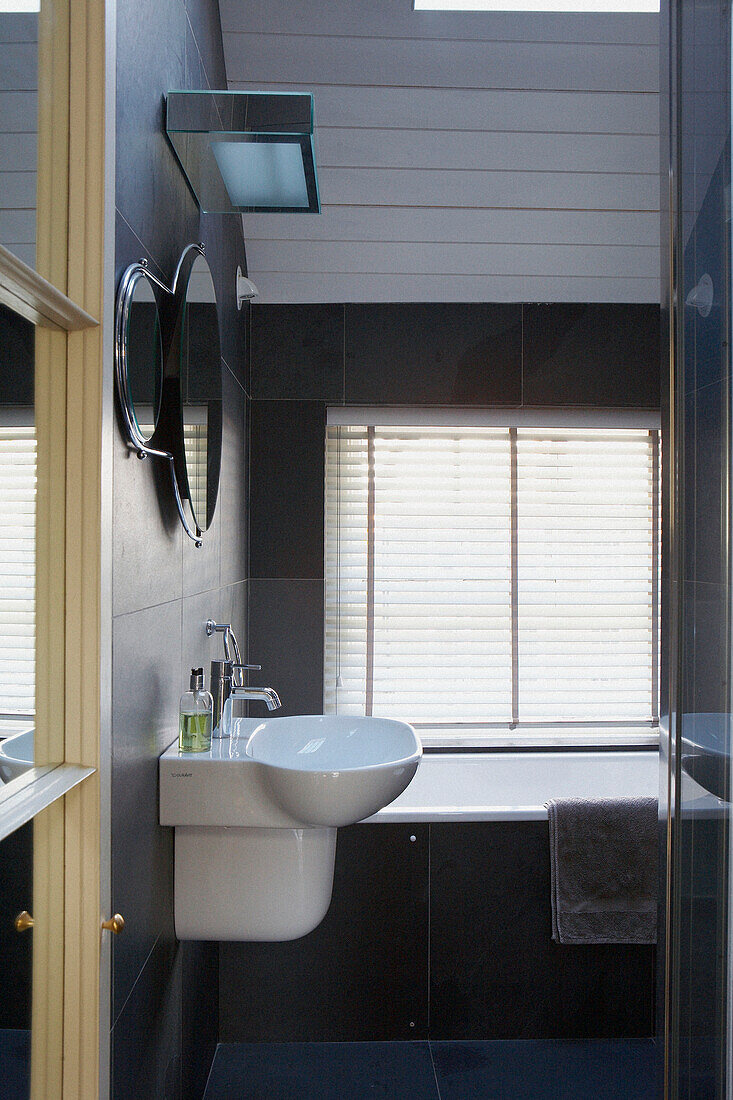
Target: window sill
{"x":533,"y":738}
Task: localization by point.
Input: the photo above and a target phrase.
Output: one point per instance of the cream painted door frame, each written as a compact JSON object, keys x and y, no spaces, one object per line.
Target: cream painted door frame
{"x":69,"y":298}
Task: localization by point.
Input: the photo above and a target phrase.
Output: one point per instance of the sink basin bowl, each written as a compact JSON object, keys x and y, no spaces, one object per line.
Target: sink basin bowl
{"x":16,"y":755}
{"x":334,"y":770}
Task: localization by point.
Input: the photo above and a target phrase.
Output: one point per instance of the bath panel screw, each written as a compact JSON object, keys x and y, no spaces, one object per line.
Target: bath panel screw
{"x":413,"y":839}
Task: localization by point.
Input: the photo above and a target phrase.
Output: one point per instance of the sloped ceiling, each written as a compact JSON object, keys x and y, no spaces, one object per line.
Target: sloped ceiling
{"x":461,"y":156}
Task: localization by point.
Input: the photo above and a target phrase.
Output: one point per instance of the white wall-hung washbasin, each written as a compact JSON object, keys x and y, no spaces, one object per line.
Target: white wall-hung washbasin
{"x":333,"y":770}
{"x":16,"y":754}
{"x":256,"y":817}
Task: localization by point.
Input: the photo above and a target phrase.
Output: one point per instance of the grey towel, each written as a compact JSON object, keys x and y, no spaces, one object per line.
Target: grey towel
{"x":603,"y":870}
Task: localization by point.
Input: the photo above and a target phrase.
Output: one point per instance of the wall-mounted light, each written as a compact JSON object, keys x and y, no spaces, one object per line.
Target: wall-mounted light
{"x":246,"y":152}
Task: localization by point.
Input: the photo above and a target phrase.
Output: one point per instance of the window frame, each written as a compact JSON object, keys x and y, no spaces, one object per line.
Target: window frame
{"x":522,"y":735}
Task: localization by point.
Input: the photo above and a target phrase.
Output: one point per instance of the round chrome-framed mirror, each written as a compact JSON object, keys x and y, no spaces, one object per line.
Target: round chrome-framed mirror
{"x":193,"y":374}
{"x":139,"y":354}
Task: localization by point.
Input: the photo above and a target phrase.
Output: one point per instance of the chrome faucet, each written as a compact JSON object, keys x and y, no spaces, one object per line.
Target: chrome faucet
{"x":227,"y":679}
{"x":264,"y":695}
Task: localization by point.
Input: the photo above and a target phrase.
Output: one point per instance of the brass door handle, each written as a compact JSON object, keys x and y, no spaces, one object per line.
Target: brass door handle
{"x":114,"y":924}
{"x":23,"y":921}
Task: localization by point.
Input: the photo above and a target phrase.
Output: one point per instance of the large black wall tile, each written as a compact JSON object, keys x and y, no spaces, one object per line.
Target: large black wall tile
{"x":16,"y":951}
{"x":362,"y":974}
{"x":145,"y":698}
{"x":199,"y":1015}
{"x":151,"y":190}
{"x":17,"y":358}
{"x":599,"y":355}
{"x":147,"y":533}
{"x":434,"y":354}
{"x":206,"y":25}
{"x":298,"y":352}
{"x":286,"y":638}
{"x":287,"y":455}
{"x":495,"y":972}
{"x":146,"y":1038}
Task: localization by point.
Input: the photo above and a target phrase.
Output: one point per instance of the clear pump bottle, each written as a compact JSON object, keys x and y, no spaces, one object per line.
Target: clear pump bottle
{"x":194,"y":728}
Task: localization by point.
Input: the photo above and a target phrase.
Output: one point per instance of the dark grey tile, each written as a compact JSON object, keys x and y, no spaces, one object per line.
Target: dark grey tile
{"x":287,"y":455}
{"x":322,"y":1071}
{"x":225,"y":251}
{"x":297,"y":351}
{"x":706,"y":470}
{"x":434,"y":354}
{"x":206,"y":24}
{"x":17,"y":358}
{"x":535,"y":1070}
{"x":151,"y":190}
{"x":15,"y":1058}
{"x":199,"y":1015}
{"x":705,"y":663}
{"x":495,"y":972}
{"x":286,"y":638}
{"x":16,"y":952}
{"x":234,"y":610}
{"x":146,"y":669}
{"x":362,"y":974}
{"x":146,"y":1038}
{"x":197,"y":649}
{"x":599,"y":354}
{"x":129,"y":249}
{"x":232,"y":503}
{"x":146,"y":534}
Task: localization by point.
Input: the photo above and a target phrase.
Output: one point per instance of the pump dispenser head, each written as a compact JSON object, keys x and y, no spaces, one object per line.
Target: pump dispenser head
{"x":197,"y":679}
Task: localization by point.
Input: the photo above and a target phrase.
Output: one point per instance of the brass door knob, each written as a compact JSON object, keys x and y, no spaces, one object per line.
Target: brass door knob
{"x":23,"y":921}
{"x":114,"y":924}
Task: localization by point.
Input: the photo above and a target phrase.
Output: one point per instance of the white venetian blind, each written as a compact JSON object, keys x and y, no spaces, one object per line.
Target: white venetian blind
{"x":17,"y":569}
{"x":492,"y":575}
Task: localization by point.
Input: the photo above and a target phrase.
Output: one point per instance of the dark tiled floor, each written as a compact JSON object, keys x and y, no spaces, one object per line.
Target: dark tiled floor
{"x":618,"y":1069}
{"x":15,"y":1064}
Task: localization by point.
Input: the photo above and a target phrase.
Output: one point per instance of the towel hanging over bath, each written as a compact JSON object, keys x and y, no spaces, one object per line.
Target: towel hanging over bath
{"x":603,"y":870}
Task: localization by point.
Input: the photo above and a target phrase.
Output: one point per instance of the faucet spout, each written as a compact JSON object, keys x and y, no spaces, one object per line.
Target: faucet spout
{"x":264,"y":695}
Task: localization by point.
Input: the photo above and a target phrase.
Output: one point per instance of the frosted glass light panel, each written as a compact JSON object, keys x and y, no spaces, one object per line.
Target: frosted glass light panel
{"x":246,"y":152}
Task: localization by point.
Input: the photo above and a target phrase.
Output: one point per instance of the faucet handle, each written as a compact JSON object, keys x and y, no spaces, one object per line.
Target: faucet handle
{"x":247,"y":668}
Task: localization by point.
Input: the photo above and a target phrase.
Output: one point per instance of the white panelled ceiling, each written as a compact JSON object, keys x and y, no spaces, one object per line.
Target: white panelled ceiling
{"x":462,"y":156}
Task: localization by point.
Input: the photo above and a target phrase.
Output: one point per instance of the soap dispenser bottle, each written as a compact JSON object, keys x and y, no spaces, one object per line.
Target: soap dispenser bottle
{"x":194,"y":728}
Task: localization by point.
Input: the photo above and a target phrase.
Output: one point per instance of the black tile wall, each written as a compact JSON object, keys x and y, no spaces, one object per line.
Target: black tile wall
{"x":16,"y":952}
{"x":441,"y":931}
{"x":286,"y":488}
{"x":286,"y":638}
{"x":165,"y":995}
{"x":494,"y":971}
{"x":434,"y":354}
{"x":362,"y":973}
{"x":298,"y":352}
{"x":602,"y":355}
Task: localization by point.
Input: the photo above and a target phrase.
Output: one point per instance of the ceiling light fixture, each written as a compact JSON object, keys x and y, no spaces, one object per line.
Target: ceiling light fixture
{"x":247,"y":152}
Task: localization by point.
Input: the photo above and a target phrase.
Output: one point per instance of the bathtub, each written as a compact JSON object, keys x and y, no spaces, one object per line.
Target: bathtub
{"x":514,"y":786}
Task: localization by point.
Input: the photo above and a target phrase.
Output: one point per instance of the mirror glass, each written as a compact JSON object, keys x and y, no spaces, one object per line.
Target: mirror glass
{"x":18,"y":130}
{"x":200,"y":379}
{"x":143,"y":355}
{"x":16,"y":956}
{"x":17,"y":544}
